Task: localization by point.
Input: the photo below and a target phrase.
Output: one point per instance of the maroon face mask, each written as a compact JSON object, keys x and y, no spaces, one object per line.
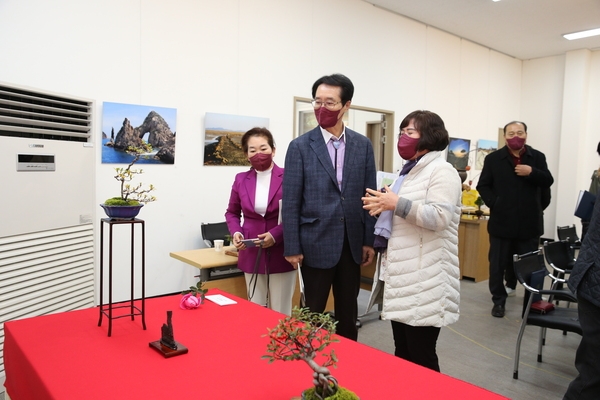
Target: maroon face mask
{"x":261,"y":161}
{"x":407,"y":146}
{"x":326,"y":118}
{"x":515,"y":143}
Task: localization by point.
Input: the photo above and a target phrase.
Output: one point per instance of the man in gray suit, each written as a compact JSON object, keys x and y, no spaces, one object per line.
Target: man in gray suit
{"x":325,"y":228}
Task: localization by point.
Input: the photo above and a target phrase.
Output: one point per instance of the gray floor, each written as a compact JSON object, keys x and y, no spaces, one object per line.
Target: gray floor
{"x":480,"y":349}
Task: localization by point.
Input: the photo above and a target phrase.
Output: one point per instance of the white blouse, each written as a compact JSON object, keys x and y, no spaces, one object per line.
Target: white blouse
{"x":263,"y":183}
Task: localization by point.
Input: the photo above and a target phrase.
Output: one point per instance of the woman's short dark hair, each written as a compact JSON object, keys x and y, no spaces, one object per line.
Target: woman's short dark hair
{"x":434,"y":135}
{"x":598,"y":148}
{"x":264,"y":132}
{"x":339,"y":80}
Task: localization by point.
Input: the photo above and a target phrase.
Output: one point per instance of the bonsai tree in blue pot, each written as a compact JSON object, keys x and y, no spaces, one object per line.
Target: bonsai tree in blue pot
{"x":133,"y":197}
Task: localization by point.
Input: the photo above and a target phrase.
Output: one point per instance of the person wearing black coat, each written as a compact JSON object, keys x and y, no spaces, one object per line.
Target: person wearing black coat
{"x":585,"y":282}
{"x":515,"y":184}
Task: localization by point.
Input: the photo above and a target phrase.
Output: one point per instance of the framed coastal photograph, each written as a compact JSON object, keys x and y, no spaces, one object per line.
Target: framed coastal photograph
{"x":125,"y":125}
{"x":222,"y":137}
{"x":484,"y":147}
{"x":458,"y":153}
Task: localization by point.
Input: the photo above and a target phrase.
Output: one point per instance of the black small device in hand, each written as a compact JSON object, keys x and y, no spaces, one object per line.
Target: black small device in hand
{"x":250,"y":242}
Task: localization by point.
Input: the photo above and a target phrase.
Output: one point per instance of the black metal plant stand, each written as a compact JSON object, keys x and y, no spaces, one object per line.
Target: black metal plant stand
{"x":107,"y":309}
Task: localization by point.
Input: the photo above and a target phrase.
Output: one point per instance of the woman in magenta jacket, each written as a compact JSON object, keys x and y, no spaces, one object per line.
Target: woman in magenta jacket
{"x":255,"y":199}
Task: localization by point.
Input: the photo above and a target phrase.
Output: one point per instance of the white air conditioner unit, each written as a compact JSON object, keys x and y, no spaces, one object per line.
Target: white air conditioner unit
{"x":46,"y":205}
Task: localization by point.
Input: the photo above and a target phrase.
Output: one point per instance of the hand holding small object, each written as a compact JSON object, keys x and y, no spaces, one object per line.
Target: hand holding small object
{"x":237,"y":241}
{"x":266,"y":239}
{"x":295,"y":260}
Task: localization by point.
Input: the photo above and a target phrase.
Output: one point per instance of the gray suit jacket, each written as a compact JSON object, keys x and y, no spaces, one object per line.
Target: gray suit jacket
{"x":315,"y":211}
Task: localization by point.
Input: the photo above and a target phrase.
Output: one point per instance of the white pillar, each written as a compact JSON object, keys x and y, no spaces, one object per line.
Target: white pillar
{"x":575,"y":138}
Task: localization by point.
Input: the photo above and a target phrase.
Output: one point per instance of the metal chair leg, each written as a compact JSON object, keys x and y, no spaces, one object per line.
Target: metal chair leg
{"x":518,"y":351}
{"x":541,"y":341}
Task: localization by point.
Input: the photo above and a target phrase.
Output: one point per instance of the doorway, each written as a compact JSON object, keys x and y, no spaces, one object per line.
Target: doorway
{"x":375,"y":124}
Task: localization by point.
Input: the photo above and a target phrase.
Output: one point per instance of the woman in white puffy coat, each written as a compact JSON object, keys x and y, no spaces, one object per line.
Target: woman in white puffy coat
{"x":417,"y":235}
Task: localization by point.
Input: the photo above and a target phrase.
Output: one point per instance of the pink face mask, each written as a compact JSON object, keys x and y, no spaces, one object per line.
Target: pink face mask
{"x":515,"y":143}
{"x":407,"y":146}
{"x":261,"y":161}
{"x":326,"y":118}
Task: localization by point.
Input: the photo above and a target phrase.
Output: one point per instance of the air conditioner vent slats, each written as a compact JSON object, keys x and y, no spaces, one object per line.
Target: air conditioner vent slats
{"x":45,"y":272}
{"x":41,"y":116}
{"x":16,"y":106}
{"x":65,"y":126}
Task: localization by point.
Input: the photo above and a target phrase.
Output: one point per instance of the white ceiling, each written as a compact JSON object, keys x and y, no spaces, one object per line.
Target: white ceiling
{"x":523,"y":29}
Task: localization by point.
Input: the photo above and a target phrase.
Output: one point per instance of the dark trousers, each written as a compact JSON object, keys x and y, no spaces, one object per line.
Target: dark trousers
{"x":587,"y":360}
{"x":501,"y":264}
{"x":416,"y":344}
{"x":345,"y":279}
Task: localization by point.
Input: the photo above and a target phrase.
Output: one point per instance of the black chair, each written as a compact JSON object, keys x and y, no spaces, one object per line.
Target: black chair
{"x":559,"y":255}
{"x":569,"y":233}
{"x":531,"y":272}
{"x":214,"y":231}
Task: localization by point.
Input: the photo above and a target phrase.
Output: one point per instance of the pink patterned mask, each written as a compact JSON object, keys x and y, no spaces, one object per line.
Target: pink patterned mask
{"x":261,"y":161}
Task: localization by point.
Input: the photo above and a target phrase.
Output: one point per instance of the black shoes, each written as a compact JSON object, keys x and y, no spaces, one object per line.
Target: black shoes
{"x":498,"y":311}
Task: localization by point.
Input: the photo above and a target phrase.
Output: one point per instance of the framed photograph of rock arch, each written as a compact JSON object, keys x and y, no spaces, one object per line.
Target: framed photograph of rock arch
{"x":130,"y":125}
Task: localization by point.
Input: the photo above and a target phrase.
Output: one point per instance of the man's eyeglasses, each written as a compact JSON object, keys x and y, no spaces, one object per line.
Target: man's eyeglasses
{"x":328,"y":104}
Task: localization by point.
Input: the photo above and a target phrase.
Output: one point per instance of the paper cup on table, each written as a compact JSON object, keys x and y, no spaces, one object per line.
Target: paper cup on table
{"x":218,"y":245}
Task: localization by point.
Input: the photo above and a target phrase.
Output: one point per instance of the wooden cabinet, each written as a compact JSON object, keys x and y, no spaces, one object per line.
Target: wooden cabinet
{"x":473,"y":248}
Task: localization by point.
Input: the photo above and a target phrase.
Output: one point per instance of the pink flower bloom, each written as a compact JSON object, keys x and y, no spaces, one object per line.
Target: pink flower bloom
{"x":189,"y":302}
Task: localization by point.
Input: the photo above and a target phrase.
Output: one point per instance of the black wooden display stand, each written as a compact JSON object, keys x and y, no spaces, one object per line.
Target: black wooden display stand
{"x":107,"y":309}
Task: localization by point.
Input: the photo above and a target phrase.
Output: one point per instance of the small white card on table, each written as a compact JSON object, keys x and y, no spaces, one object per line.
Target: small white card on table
{"x":220,"y":299}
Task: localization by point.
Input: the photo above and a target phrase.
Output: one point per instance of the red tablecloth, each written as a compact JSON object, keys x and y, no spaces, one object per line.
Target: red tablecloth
{"x":67,"y":356}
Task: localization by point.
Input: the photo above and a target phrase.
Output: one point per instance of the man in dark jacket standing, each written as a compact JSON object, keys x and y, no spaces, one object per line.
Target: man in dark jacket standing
{"x":585,"y":282}
{"x":515,"y":184}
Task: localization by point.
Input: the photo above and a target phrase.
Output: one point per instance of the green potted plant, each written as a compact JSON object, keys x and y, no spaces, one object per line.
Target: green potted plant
{"x":132,"y":197}
{"x":479,"y":202}
{"x":303,"y":336}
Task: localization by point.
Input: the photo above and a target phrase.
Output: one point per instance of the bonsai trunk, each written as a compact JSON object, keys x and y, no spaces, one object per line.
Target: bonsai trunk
{"x":325,"y":384}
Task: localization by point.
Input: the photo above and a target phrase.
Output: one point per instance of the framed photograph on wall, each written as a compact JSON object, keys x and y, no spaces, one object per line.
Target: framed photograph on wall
{"x":134,"y":125}
{"x":484,"y":147}
{"x":306,"y":121}
{"x":458,"y":153}
{"x":223,"y":137}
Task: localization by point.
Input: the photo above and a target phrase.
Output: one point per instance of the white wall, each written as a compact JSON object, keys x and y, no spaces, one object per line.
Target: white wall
{"x":250,"y":57}
{"x":541,"y":110}
{"x":560,"y":97}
